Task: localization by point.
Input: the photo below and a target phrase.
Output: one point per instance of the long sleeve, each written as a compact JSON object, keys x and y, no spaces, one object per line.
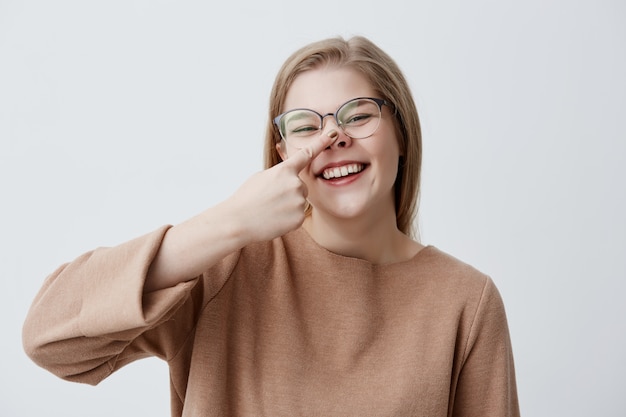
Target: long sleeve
{"x":486,"y":384}
{"x":91,"y":316}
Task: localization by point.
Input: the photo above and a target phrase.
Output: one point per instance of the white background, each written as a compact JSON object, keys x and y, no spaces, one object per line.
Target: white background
{"x":117,"y":117}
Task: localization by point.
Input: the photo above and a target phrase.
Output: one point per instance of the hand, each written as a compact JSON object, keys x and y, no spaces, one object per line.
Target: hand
{"x":272,"y":202}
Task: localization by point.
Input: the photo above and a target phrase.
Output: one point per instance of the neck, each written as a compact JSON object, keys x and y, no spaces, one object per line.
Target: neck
{"x":376,"y":240}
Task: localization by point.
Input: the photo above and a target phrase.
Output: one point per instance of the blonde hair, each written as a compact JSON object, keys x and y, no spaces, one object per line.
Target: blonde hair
{"x":386,"y":79}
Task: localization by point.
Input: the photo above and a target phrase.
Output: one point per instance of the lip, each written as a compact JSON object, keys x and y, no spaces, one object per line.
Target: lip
{"x":341,"y":181}
{"x":320,"y":172}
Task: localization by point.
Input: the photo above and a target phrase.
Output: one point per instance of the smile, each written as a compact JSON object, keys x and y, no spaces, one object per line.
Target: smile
{"x":342,"y":171}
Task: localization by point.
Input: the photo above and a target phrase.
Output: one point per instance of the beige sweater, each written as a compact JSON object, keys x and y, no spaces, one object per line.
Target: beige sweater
{"x":286,"y":328}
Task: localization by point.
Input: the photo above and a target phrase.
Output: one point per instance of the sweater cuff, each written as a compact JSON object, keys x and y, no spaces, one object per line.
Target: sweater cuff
{"x":113,"y":299}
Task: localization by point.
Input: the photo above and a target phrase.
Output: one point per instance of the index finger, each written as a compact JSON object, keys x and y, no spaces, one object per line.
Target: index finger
{"x":302,"y":158}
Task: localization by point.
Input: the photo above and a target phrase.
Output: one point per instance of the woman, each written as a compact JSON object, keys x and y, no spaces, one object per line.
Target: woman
{"x":303,"y":293}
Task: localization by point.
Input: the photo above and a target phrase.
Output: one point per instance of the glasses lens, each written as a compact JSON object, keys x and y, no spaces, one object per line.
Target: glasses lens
{"x":298,"y":126}
{"x":359,"y":118}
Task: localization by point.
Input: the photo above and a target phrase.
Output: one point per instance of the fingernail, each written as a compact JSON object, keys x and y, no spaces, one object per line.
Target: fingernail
{"x":332,"y":134}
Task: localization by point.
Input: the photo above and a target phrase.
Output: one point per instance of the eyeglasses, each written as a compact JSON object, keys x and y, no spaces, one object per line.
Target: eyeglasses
{"x":358,"y":118}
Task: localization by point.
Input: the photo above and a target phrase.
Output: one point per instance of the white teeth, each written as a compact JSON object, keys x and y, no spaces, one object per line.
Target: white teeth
{"x":338,"y":172}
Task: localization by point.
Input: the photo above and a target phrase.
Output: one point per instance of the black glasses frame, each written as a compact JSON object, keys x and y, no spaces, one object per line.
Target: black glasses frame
{"x":378,"y":101}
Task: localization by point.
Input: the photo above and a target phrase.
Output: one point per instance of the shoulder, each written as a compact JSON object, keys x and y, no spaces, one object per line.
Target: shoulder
{"x":435,"y":267}
{"x":460,"y":280}
{"x":442,"y":263}
{"x":446,"y":283}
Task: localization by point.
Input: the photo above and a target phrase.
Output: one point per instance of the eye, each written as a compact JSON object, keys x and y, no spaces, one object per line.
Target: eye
{"x":304,"y":130}
{"x":357,"y":119}
{"x":301,"y":123}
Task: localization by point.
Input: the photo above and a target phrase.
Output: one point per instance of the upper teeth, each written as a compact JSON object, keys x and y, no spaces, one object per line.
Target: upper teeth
{"x":342,"y":171}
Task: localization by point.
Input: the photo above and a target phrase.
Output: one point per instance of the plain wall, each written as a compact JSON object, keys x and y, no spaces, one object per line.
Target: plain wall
{"x":117,"y":117}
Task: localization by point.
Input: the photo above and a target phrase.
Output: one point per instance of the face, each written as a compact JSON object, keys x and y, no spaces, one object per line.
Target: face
{"x":353,"y":177}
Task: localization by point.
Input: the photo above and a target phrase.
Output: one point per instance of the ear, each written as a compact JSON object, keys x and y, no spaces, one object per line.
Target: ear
{"x":280,"y":148}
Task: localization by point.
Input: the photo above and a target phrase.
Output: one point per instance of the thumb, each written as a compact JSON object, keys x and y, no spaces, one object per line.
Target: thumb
{"x":303,"y":157}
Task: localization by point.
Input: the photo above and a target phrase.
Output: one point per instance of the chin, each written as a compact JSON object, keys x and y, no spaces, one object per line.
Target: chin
{"x":341,"y":211}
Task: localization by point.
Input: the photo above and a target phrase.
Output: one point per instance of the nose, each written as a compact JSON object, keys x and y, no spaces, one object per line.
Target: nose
{"x":343,"y":140}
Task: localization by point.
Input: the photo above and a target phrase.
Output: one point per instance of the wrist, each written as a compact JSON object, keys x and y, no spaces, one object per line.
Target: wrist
{"x":231,"y":224}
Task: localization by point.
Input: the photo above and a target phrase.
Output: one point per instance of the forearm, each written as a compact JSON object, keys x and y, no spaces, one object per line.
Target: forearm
{"x":192,"y":247}
{"x":269,"y":204}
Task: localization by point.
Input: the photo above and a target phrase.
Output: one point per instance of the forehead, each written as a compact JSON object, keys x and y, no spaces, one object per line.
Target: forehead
{"x":324,"y":89}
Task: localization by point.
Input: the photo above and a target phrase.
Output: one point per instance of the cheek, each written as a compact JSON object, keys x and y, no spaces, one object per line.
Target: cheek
{"x":389,"y":160}
{"x":387,"y":150}
{"x":282,"y":150}
{"x":394,"y":146}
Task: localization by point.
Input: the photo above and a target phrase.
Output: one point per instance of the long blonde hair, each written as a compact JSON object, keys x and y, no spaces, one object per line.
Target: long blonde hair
{"x":384,"y":75}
